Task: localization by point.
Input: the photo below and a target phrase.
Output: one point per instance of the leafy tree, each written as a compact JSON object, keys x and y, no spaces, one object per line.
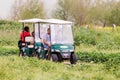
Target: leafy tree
{"x":101,"y":11}
{"x":80,"y":11}
{"x":24,"y":9}
{"x":85,"y":11}
{"x":62,"y":10}
{"x":114,"y":18}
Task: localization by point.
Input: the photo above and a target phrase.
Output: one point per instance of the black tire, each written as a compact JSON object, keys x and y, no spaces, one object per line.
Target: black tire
{"x":21,"y":53}
{"x":54,"y":58}
{"x":73,"y":59}
{"x":60,"y":59}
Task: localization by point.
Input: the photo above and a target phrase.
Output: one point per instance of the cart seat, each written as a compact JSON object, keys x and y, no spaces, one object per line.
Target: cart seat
{"x":23,"y":44}
{"x":30,"y":40}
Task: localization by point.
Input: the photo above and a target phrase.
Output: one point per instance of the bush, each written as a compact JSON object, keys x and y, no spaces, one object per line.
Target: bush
{"x":99,"y":38}
{"x":10,"y":33}
{"x":83,"y":35}
{"x":8,"y":51}
{"x":92,"y":57}
{"x":113,"y":63}
{"x":98,"y":57}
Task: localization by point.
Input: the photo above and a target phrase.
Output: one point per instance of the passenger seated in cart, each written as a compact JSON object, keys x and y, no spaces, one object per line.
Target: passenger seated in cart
{"x":33,"y":34}
{"x":24,"y":33}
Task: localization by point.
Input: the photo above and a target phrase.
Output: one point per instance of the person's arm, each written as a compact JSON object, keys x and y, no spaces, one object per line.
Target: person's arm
{"x":45,"y":42}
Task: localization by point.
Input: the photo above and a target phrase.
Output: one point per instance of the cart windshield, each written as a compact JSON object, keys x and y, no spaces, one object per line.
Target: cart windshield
{"x":40,"y":31}
{"x":61,"y":34}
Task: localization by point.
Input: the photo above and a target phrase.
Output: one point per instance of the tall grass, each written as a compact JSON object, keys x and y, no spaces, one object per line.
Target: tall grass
{"x":9,"y":33}
{"x":16,"y":68}
{"x":98,"y":47}
{"x":101,"y":39}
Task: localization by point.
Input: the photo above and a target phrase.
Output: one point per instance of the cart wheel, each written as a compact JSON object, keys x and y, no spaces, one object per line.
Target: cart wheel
{"x":73,"y":59}
{"x":54,"y":58}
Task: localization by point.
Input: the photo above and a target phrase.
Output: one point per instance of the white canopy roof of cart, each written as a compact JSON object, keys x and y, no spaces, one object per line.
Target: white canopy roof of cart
{"x":34,"y":20}
{"x":58,"y":21}
{"x":49,"y":21}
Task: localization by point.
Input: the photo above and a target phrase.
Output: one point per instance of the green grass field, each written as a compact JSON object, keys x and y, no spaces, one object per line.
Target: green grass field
{"x":17,"y":68}
{"x":97,"y":48}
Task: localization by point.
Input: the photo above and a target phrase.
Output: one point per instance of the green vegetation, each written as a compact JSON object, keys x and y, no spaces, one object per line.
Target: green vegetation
{"x":97,"y":49}
{"x":22,"y":9}
{"x":9,"y":33}
{"x":97,"y":12}
{"x":8,"y":50}
{"x":13,"y":67}
{"x":101,"y":39}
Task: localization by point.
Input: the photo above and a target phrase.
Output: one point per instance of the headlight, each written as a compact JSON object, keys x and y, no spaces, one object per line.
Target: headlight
{"x":52,"y":50}
{"x":57,"y":50}
{"x":71,"y":50}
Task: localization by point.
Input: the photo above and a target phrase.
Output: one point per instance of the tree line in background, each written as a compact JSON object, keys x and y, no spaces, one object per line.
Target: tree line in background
{"x":98,"y":12}
{"x":25,"y":9}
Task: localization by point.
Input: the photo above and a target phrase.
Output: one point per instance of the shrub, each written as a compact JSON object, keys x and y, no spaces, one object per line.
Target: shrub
{"x":98,"y":57}
{"x":99,"y":38}
{"x":92,"y":57}
{"x":8,"y":51}
{"x":113,"y":63}
{"x":10,"y":33}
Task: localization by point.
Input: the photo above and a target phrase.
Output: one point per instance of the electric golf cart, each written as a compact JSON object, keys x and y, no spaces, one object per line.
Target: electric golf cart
{"x":61,"y":40}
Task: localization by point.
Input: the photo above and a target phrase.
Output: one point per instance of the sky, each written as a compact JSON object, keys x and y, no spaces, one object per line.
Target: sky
{"x":5,"y":7}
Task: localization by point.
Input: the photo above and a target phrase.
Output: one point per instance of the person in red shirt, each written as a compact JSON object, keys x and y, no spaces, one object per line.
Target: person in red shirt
{"x":24,"y":33}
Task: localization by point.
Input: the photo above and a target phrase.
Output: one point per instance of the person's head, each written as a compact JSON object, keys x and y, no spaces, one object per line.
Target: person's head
{"x":33,"y":34}
{"x":26,"y":28}
{"x":48,"y":30}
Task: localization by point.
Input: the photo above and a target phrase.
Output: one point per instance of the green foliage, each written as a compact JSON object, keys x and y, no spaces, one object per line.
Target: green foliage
{"x":62,"y":11}
{"x":98,"y":57}
{"x":34,"y":69}
{"x":11,"y":23}
{"x":99,"y":43}
{"x":9,"y":33}
{"x":114,"y":18}
{"x":85,"y":36}
{"x":100,"y":39}
{"x":6,"y":51}
{"x":72,"y":10}
{"x":99,"y":12}
{"x":113,"y":62}
{"x":31,"y":9}
{"x":113,"y":65}
{"x":93,"y":57}
{"x":27,"y":9}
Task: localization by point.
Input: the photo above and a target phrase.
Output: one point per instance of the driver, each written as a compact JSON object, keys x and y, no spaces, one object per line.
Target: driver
{"x":46,"y":40}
